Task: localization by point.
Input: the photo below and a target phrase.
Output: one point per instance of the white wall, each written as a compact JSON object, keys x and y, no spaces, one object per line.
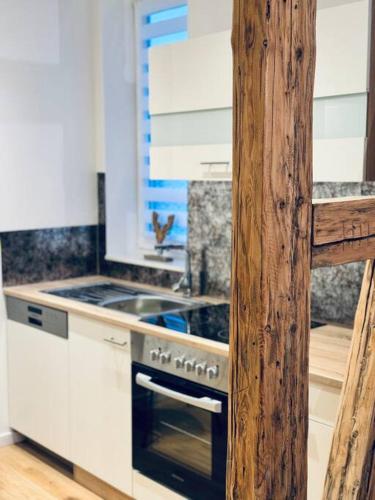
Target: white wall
{"x":49,"y":135}
{"x":47,"y":114}
{"x":120,"y":125}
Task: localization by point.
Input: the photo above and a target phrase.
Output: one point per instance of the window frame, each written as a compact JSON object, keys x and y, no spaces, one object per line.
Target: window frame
{"x":143,"y":8}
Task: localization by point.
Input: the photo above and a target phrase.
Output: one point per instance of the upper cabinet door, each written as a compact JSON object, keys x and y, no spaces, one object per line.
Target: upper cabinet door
{"x":197,"y":74}
{"x":342,"y":39}
{"x":191,"y":75}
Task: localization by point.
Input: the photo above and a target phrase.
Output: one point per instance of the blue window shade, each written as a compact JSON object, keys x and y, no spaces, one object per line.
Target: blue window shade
{"x":164,"y":39}
{"x":167,"y":14}
{"x":161,"y":195}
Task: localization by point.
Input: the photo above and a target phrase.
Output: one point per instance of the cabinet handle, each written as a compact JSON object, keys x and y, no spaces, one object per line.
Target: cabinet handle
{"x":114,"y":342}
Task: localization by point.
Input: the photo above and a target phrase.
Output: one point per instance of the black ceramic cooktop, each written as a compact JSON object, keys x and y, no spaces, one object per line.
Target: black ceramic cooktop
{"x":209,"y":322}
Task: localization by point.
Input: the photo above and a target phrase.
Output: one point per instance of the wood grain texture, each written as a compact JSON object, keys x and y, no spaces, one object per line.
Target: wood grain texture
{"x":343,"y":219}
{"x":343,"y":252}
{"x":23,"y":475}
{"x":97,"y":486}
{"x":274,"y":62}
{"x":370,"y":146}
{"x":350,"y":473}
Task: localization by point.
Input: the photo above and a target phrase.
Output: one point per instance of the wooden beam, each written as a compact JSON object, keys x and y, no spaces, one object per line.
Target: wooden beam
{"x":351,"y":471}
{"x":370,"y":143}
{"x":343,"y":230}
{"x":274,"y":62}
{"x":343,"y":252}
{"x":341,"y":219}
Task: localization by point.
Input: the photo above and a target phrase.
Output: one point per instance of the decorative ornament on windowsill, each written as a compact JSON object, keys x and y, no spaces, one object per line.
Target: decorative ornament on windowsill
{"x":161,"y":232}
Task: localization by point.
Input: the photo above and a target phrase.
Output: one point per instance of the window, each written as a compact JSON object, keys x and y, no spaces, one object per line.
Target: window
{"x":159,"y":22}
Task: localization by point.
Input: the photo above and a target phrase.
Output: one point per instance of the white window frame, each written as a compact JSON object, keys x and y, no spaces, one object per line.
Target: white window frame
{"x":143,"y":8}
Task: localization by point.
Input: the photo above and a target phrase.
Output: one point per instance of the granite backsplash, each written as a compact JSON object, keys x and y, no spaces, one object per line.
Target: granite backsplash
{"x":335,"y":290}
{"x":59,"y":253}
{"x":48,"y":254}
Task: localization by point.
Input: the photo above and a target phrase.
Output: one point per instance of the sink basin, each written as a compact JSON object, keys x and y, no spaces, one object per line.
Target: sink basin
{"x":144,"y":305}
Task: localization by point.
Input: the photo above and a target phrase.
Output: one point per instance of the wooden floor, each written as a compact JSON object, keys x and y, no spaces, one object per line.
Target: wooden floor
{"x":24,"y":476}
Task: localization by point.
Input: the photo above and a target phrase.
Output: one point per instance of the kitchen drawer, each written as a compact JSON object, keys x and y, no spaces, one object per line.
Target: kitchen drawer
{"x":100,"y":331}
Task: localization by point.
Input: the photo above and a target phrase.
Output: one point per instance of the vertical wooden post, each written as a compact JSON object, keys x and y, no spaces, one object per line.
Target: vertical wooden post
{"x":351,"y":472}
{"x":274,"y":62}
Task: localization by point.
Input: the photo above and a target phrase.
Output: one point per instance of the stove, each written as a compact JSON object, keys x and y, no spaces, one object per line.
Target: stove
{"x":210,"y":322}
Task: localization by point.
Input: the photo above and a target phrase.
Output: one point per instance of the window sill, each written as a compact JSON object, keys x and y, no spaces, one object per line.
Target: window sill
{"x":177,"y":265}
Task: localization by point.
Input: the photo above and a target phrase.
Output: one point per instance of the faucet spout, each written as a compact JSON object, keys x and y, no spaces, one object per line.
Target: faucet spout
{"x":184,"y":284}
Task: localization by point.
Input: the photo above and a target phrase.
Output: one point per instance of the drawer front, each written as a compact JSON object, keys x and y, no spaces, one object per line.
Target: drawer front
{"x":100,"y":331}
{"x":43,"y":318}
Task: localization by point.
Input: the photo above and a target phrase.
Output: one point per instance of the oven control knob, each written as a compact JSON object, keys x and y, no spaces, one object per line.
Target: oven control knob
{"x":200,"y":369}
{"x":212,"y":372}
{"x":165,"y":357}
{"x":154,"y":354}
{"x":179,"y":361}
{"x":190,"y":365}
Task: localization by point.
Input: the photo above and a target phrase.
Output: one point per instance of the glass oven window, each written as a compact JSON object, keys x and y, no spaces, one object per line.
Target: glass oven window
{"x":181,"y":433}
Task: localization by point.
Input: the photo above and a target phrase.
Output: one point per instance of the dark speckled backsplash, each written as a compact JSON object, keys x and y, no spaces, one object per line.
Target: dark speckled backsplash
{"x":48,"y":254}
{"x":335,"y":290}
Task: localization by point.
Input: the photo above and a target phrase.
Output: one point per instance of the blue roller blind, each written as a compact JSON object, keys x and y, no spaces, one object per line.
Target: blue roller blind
{"x":166,"y":197}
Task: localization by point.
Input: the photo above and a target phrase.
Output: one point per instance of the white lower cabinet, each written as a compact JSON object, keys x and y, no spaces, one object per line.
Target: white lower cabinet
{"x":147,"y":489}
{"x":100,"y":387}
{"x":320,"y":437}
{"x":323,"y":406}
{"x":38,"y":386}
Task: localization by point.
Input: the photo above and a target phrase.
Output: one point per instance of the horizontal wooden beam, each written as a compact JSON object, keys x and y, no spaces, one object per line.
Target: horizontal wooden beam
{"x":343,"y":230}
{"x":343,"y":252}
{"x":341,"y":219}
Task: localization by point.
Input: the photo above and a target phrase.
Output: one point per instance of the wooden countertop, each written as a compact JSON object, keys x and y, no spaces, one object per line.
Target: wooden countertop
{"x":329,"y":345}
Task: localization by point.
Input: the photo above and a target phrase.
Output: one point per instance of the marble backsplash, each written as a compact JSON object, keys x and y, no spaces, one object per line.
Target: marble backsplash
{"x":335,"y":290}
{"x":48,"y":254}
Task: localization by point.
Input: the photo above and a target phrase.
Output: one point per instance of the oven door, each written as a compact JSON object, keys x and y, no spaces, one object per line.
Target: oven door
{"x":179,"y":433}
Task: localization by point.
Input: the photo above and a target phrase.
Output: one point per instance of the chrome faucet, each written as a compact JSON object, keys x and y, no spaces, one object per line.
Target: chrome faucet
{"x":185,"y":282}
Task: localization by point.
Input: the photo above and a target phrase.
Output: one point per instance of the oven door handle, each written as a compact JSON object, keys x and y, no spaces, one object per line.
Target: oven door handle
{"x":205,"y":403}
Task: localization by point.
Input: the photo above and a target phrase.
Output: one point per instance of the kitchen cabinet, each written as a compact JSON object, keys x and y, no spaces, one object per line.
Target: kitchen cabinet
{"x":197,"y":74}
{"x":201,"y":162}
{"x":146,"y":489}
{"x":324,"y":402}
{"x":191,"y":75}
{"x":339,"y":160}
{"x":38,"y":386}
{"x":319,"y":447}
{"x":100,"y":388}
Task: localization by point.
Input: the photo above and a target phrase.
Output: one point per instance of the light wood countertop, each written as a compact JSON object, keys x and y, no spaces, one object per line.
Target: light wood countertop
{"x":329,"y":345}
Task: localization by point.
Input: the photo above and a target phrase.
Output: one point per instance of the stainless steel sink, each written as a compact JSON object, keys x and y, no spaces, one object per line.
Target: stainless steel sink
{"x":144,"y":305}
{"x":126,"y":299}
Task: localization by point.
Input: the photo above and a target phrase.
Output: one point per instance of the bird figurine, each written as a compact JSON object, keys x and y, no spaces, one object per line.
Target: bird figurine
{"x":161,"y":231}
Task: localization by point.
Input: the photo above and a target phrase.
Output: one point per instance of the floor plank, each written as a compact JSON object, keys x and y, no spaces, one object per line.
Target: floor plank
{"x":24,"y":476}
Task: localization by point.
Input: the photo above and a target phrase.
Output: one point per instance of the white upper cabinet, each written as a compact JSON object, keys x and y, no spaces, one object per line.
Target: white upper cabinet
{"x":191,"y":75}
{"x":342,"y":39}
{"x":197,"y":74}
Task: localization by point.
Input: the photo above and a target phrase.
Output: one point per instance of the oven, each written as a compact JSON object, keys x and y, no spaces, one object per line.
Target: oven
{"x":179,"y":433}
